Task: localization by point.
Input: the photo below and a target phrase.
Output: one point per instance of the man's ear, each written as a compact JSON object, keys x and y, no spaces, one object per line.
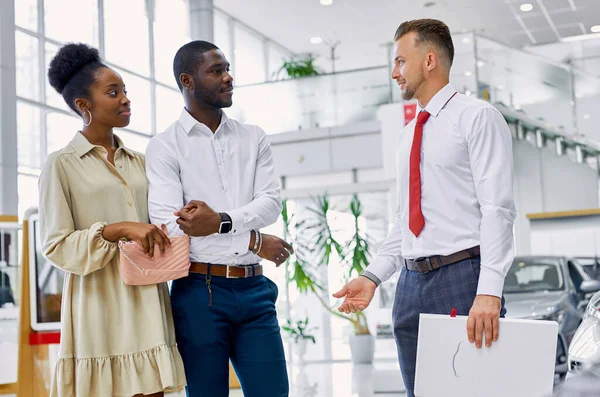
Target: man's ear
{"x":431,"y":61}
{"x":187,"y":81}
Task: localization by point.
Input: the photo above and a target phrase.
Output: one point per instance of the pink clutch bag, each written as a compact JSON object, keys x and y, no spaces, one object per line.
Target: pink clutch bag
{"x":137,"y":268}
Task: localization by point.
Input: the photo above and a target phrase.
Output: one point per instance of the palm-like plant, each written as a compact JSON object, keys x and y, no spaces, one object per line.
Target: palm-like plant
{"x":299,"y":330}
{"x":302,"y":273}
{"x":358,"y":245}
{"x":314,"y":238}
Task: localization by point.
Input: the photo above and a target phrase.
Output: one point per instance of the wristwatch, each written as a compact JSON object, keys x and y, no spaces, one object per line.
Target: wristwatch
{"x":226,"y":223}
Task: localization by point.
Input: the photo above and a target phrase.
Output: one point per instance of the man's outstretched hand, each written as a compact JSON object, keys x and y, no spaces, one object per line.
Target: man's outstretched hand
{"x":358,"y":294}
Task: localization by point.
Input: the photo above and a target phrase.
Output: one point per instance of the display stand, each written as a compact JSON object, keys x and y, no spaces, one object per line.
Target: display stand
{"x":12,"y":221}
{"x":34,"y":371}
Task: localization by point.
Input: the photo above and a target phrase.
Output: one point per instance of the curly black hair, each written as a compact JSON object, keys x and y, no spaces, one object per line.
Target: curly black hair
{"x":72,"y":71}
{"x":189,"y":56}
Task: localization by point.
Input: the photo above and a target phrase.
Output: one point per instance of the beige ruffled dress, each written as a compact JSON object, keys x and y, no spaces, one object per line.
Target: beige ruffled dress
{"x":116,"y":340}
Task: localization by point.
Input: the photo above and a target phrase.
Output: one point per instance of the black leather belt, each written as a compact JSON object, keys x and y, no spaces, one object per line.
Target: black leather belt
{"x":427,"y":264}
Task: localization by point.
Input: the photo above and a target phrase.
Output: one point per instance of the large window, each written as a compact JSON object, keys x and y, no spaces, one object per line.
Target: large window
{"x":222,"y":34}
{"x":26,"y":14}
{"x":169,"y":35}
{"x":255,"y":58}
{"x":169,"y":104}
{"x":28,"y":135}
{"x":277,"y":56}
{"x":82,"y":28}
{"x":28,"y":78}
{"x":125,"y":35}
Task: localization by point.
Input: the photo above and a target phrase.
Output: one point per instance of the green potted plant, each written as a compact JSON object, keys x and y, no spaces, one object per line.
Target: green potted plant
{"x":302,"y":67}
{"x":300,"y":333}
{"x":314,"y":237}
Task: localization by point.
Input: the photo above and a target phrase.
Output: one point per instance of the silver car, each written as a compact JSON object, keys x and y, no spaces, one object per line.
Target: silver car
{"x":550,"y":288}
{"x":584,"y":351}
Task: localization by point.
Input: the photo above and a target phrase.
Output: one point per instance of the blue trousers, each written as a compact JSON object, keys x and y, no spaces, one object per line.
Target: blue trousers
{"x":241,"y":325}
{"x":436,"y":292}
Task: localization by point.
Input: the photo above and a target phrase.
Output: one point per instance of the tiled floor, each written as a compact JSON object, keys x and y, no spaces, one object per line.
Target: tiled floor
{"x":334,"y":380}
{"x":331,"y":380}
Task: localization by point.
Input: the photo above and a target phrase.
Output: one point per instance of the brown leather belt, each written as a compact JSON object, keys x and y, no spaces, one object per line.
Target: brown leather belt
{"x":228,"y":271}
{"x":430,"y":263}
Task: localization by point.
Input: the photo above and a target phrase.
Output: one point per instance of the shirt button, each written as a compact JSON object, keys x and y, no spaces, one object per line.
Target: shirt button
{"x":237,"y":253}
{"x":120,"y":166}
{"x":130,"y":203}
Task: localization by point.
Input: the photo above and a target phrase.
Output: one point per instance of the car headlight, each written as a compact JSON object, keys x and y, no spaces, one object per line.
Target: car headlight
{"x":593,"y":307}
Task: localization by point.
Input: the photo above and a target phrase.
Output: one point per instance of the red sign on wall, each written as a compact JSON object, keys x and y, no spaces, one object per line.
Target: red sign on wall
{"x":410,"y":109}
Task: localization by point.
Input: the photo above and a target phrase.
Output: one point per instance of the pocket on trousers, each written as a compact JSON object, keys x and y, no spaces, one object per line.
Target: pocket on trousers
{"x":273,"y":287}
{"x":476,"y":266}
{"x":194,"y":321}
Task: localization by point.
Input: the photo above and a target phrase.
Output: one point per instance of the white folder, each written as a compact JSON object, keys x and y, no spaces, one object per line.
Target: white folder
{"x":520,"y":364}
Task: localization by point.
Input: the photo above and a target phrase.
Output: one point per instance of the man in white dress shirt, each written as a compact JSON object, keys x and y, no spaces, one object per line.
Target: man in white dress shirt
{"x":453,"y":229}
{"x":212,"y":178}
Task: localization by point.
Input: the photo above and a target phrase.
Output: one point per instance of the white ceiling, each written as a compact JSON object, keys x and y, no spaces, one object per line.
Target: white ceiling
{"x":364,"y":26}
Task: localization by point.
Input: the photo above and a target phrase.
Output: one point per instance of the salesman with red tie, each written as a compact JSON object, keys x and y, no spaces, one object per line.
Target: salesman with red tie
{"x":452,"y":235}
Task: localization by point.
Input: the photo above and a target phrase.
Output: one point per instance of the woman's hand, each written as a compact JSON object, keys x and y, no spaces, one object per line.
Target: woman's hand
{"x":146,"y":234}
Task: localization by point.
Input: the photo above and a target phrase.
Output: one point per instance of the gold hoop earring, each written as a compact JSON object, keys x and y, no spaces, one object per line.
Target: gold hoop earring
{"x":90,"y":113}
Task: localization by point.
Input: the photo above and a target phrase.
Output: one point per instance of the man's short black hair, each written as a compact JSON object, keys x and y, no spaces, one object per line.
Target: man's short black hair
{"x":189,"y":56}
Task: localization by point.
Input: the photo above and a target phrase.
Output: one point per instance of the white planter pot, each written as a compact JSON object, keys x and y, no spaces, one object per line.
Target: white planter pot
{"x":362,"y":348}
{"x":301,"y":349}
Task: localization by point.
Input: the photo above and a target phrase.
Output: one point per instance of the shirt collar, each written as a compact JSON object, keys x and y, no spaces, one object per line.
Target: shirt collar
{"x":82,"y":146}
{"x":188,"y":122}
{"x":439,"y":100}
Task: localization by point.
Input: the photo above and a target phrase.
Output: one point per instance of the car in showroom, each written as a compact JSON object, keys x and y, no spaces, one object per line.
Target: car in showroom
{"x":591,"y":264}
{"x":554,"y":288}
{"x":584,"y":351}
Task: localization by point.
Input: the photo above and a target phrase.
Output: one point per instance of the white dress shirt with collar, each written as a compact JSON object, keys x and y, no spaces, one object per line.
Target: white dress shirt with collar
{"x":466,"y":192}
{"x":231,"y":170}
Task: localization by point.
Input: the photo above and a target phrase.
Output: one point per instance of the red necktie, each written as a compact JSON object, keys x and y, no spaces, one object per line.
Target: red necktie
{"x":415,"y":215}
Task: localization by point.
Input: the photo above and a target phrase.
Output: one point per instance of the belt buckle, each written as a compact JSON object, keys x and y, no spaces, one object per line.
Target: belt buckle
{"x":228,"y":271}
{"x":427,"y":262}
{"x":429,"y":265}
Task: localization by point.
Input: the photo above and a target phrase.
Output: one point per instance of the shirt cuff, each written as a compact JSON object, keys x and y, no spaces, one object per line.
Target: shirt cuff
{"x":490,"y":283}
{"x":371,"y":277}
{"x":381,"y":268}
{"x":237,"y":220}
{"x":239,"y":244}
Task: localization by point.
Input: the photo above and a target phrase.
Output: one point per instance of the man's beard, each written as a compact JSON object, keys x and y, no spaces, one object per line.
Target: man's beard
{"x":207,"y":98}
{"x":411,"y":89}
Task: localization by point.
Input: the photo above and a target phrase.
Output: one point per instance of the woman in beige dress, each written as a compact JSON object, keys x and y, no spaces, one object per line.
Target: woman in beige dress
{"x":116,"y":340}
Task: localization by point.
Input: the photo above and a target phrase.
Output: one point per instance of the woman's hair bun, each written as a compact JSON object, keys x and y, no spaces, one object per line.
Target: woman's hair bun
{"x":69,"y":60}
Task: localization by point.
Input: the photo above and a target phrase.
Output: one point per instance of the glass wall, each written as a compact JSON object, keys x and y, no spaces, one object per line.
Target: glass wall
{"x":554,"y":93}
{"x":138,"y":38}
{"x":255,"y":58}
{"x":336,"y":99}
{"x":587,"y":103}
{"x":524,"y":82}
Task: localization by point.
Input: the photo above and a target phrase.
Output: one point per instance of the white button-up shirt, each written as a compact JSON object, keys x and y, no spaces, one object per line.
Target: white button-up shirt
{"x":231,"y":170}
{"x":466,"y":191}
